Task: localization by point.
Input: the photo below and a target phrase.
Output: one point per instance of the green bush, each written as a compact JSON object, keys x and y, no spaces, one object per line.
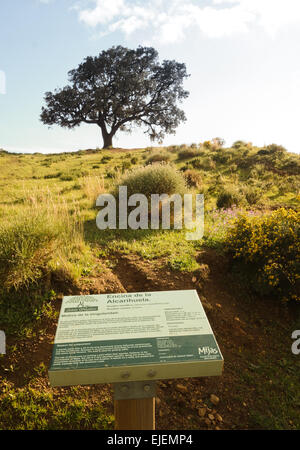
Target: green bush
{"x":252,"y":194}
{"x":158,"y":157}
{"x":267,"y":249}
{"x":222,"y":158}
{"x":228,"y":198}
{"x":205,"y":163}
{"x":66,"y":177}
{"x":188,"y":153}
{"x":158,"y":178}
{"x":196,"y":163}
{"x":105,"y":159}
{"x":239,"y":144}
{"x":114,"y":173}
{"x":125,"y":166}
{"x":53,"y":175}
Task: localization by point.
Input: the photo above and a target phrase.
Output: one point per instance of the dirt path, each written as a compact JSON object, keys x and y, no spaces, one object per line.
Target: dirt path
{"x":241,"y":328}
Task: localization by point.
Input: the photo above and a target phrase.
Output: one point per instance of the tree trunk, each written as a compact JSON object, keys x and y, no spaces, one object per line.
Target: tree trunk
{"x":107,"y":138}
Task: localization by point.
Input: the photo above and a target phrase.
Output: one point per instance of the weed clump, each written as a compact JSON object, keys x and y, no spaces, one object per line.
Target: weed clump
{"x":34,"y":239}
{"x":193,"y":178}
{"x":158,"y":157}
{"x":188,"y":153}
{"x":228,"y":198}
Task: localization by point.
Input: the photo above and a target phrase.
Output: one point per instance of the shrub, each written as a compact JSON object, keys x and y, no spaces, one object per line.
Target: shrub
{"x":114,"y":173}
{"x":73,"y":175}
{"x":67,"y":177}
{"x":252,"y":194}
{"x":222,"y":158}
{"x":239,"y":144}
{"x":154,"y":179}
{"x":158,"y":157}
{"x":273,"y":149}
{"x":292,"y":167}
{"x":105,"y":159}
{"x":268,"y":250}
{"x":207,"y":145}
{"x":52,"y":175}
{"x":196,"y":163}
{"x":217,"y":143}
{"x":205,"y":163}
{"x":228,"y":198}
{"x":125,"y":166}
{"x":188,"y":153}
{"x":193,"y":178}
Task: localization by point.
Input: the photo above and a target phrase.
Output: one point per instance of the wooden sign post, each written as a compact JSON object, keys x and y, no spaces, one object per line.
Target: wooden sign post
{"x":131,"y":340}
{"x":135,"y":414}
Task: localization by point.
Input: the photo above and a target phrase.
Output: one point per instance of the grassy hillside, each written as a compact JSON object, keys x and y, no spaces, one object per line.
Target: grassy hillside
{"x":50,"y":246}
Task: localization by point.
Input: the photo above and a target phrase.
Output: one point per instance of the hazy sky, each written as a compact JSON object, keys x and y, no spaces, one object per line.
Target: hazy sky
{"x":243,"y":57}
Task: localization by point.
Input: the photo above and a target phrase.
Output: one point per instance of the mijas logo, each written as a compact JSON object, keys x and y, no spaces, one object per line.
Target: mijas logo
{"x":207,"y":351}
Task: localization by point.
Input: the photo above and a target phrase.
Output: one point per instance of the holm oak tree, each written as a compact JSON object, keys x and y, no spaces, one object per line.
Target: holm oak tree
{"x":118,"y":89}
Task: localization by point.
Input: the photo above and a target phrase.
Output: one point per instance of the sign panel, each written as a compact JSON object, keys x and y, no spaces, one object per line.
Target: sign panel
{"x":105,"y":338}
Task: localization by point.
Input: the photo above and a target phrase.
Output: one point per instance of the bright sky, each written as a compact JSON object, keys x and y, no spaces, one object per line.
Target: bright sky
{"x":243,"y":57}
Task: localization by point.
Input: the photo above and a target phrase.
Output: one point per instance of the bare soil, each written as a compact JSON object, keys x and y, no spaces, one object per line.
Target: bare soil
{"x":242,"y":326}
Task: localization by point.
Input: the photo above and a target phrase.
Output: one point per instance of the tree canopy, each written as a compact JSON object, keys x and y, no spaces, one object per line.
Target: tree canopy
{"x":119,"y":89}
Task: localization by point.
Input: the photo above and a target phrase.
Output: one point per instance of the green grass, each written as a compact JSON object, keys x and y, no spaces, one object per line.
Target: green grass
{"x":34,"y":409}
{"x":47,"y":204}
{"x":277,"y":395}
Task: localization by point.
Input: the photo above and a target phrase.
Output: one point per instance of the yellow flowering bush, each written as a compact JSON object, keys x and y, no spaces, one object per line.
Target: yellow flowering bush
{"x":268,"y":250}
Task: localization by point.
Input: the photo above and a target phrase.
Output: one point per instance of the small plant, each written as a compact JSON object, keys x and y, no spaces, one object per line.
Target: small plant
{"x":228,"y":198}
{"x":239,"y":144}
{"x":158,"y":157}
{"x":207,"y":145}
{"x":252,"y":194}
{"x":49,"y":176}
{"x":193,"y":178}
{"x":188,"y":153}
{"x":105,"y":159}
{"x":125,"y":166}
{"x":205,"y":163}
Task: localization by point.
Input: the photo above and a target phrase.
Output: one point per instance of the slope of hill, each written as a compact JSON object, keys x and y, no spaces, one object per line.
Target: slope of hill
{"x":50,"y":246}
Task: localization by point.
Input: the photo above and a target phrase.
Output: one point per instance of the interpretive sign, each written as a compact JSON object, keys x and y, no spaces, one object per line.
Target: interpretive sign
{"x":133,"y":336}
